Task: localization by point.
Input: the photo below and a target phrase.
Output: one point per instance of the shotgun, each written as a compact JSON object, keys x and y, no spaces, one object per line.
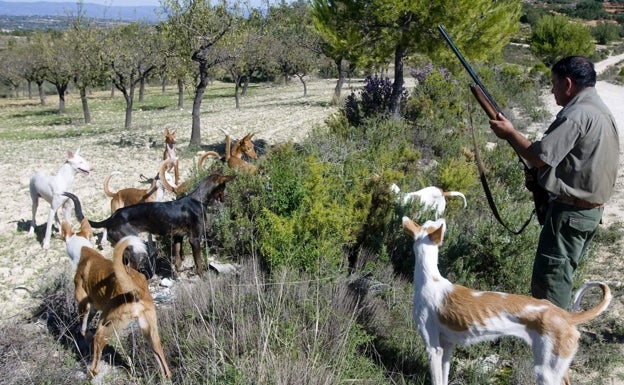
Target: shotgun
{"x":487,"y":103}
{"x":477,"y":88}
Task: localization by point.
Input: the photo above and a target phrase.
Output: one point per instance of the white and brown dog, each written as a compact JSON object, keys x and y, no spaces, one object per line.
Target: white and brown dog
{"x":447,"y":315}
{"x":51,"y":189}
{"x":431,"y":198}
{"x":118,"y":291}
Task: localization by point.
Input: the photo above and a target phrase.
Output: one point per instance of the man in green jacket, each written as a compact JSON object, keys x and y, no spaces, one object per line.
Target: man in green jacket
{"x":577,"y":162}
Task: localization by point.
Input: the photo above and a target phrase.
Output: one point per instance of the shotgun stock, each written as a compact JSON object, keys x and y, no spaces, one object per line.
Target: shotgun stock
{"x":484,"y":101}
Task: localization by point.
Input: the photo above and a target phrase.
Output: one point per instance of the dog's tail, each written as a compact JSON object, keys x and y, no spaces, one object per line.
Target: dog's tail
{"x":456,"y":194}
{"x":202,"y":158}
{"x":85,"y":227}
{"x":107,"y":191}
{"x":123,"y":278}
{"x":577,"y":316}
{"x":164,"y":166}
{"x":77,"y":205}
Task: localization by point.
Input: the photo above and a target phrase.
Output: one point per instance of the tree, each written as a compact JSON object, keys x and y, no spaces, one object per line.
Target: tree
{"x":89,"y":68}
{"x":372,"y":31}
{"x":481,"y":28}
{"x":555,"y":36}
{"x":132,"y":53}
{"x":30,"y":62}
{"x":198,"y":28}
{"x":297,"y":46}
{"x":248,"y":48}
{"x":10,"y":63}
{"x":56,"y":48}
{"x":337,"y":23}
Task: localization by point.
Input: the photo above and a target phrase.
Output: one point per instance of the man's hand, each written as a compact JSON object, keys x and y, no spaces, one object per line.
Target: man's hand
{"x":502,"y":127}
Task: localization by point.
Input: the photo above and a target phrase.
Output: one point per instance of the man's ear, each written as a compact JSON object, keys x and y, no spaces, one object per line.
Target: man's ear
{"x":570,"y":86}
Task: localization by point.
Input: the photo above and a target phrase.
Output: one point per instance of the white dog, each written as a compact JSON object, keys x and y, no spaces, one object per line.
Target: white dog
{"x":51,"y":189}
{"x":431,"y":198}
{"x":447,"y":315}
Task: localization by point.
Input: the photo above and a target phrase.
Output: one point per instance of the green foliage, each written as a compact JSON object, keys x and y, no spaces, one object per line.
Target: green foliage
{"x":531,"y":13}
{"x":458,"y":174}
{"x":555,"y":37}
{"x":605,"y":32}
{"x":589,"y":10}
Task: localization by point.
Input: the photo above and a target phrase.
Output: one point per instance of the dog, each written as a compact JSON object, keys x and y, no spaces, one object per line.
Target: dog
{"x":51,"y":189}
{"x":447,"y":314}
{"x":130,"y":196}
{"x":431,"y":198}
{"x":184,"y":216}
{"x":74,"y":242}
{"x":234,"y":157}
{"x":171,"y":153}
{"x":120,"y":293}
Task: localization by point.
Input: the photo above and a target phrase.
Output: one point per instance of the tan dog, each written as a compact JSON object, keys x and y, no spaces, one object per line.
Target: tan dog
{"x":119,"y":292}
{"x":130,"y":196}
{"x":171,"y":153}
{"x":447,"y":315}
{"x":234,"y":157}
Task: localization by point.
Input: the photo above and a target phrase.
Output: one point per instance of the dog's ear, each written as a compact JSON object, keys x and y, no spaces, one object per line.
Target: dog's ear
{"x":222,"y":179}
{"x":436,"y":234}
{"x":411,"y":228}
{"x":66,"y":230}
{"x":85,"y":229}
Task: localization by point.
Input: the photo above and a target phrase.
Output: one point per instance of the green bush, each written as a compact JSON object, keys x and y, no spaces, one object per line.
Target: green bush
{"x":555,"y":37}
{"x":605,"y":32}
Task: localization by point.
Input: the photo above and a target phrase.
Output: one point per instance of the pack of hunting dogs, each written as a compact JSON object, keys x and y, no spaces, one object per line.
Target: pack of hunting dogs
{"x":445,"y":314}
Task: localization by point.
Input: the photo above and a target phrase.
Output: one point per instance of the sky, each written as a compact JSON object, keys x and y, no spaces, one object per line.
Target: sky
{"x":101,"y":2}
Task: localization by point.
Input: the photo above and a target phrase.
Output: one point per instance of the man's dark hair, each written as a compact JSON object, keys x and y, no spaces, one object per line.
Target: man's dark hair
{"x":578,"y":68}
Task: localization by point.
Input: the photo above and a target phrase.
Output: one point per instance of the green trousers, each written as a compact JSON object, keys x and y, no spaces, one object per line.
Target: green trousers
{"x":563,"y":241}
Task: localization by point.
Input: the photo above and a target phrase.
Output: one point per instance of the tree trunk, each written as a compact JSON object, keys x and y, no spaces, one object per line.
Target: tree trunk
{"x":199,"y":95}
{"x":340,"y":82}
{"x":236,"y":98}
{"x":163,"y":84}
{"x":60,"y":89}
{"x":305,"y":86}
{"x":245,"y":85}
{"x":399,"y":80}
{"x":180,"y":94}
{"x":112,"y":94}
{"x":29,"y":89}
{"x":85,"y":105}
{"x":129,"y":101}
{"x":142,"y":89}
{"x":42,"y":95}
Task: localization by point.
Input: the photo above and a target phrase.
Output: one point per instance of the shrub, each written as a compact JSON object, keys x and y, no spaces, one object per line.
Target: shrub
{"x":555,"y":37}
{"x":374,"y":101}
{"x":605,"y":32}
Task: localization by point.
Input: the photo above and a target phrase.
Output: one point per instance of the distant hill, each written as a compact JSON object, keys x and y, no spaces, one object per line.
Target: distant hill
{"x":95,"y":11}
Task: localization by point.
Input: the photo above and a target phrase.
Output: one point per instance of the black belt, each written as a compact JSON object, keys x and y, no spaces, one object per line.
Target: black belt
{"x":578,"y":202}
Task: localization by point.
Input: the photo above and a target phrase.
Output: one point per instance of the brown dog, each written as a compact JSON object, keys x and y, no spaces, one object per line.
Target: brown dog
{"x":130,"y":196}
{"x":121,"y":293}
{"x":234,"y":157}
{"x":171,"y":153}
